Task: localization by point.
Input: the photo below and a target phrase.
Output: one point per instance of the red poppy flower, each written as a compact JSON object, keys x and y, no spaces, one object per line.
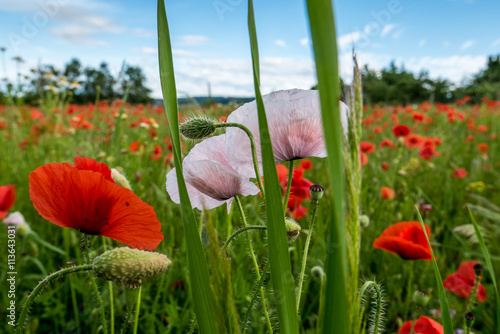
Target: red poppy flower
{"x":387,"y":143}
{"x":427,"y":153}
{"x":482,"y":147}
{"x":385,"y":166}
{"x":7,"y":199}
{"x":306,"y":164}
{"x":134,"y":147}
{"x":459,"y":173}
{"x":387,"y":193}
{"x":367,"y":147}
{"x":401,"y":130}
{"x":83,"y":198}
{"x":462,"y":282}
{"x":413,"y":141}
{"x":423,"y":325}
{"x":363,"y":157}
{"x":405,"y":239}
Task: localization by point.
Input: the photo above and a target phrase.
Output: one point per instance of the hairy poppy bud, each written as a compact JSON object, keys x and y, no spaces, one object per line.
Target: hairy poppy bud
{"x":129,"y":266}
{"x":421,"y":298}
{"x":197,"y":128}
{"x":478,"y":269}
{"x":364,"y":221}
{"x":292,"y":229}
{"x":317,"y":191}
{"x":120,"y":179}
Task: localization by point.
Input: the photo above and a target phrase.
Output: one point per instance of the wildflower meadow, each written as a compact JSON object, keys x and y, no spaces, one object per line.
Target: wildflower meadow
{"x":301,"y":211}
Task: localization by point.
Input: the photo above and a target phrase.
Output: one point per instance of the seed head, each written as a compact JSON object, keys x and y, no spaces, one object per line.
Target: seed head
{"x":421,"y":298}
{"x":197,"y":128}
{"x":478,"y":269}
{"x":317,"y":191}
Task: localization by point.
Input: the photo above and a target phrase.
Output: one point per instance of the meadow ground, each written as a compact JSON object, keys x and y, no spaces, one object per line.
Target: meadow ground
{"x":449,"y":160}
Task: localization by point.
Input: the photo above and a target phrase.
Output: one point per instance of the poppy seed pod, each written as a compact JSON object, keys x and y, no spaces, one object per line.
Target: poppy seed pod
{"x":317,"y":191}
{"x":292,"y":229}
{"x":129,"y":266}
{"x":421,"y":298}
{"x":197,"y":128}
{"x":478,"y":269}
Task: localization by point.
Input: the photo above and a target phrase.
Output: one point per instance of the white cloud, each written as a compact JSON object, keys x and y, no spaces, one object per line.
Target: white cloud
{"x":347,"y":40}
{"x":77,"y":34}
{"x":387,"y":29}
{"x":184,"y":53}
{"x":280,"y":42}
{"x":149,"y":51}
{"x":192,"y":40}
{"x":422,"y":42}
{"x":304,"y":41}
{"x":495,"y":43}
{"x":397,"y":34}
{"x":467,"y":45}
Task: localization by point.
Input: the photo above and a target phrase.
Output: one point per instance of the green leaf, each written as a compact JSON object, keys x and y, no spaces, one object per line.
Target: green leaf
{"x":198,"y":269}
{"x":323,"y":35}
{"x":279,"y":258}
{"x":489,"y":264}
{"x":445,"y":310}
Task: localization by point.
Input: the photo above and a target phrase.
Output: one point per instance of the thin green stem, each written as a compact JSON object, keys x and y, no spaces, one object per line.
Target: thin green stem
{"x":111,"y":295}
{"x":258,"y":287}
{"x":254,"y":151}
{"x":409,"y":292}
{"x":288,"y":188}
{"x":256,"y":265}
{"x":137,"y":309}
{"x":412,"y":329}
{"x":94,"y":285}
{"x":319,"y":324}
{"x":377,"y":315}
{"x":40,"y":286}
{"x":127,"y":319}
{"x":241,"y":230}
{"x":315,"y":204}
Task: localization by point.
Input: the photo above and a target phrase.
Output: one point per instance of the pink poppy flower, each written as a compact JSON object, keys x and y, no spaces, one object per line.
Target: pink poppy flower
{"x":210,"y":178}
{"x":295,"y":125}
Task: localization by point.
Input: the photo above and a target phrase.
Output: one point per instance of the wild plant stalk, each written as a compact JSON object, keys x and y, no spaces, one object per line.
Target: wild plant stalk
{"x":315,"y":204}
{"x":376,"y":317}
{"x":258,"y":287}
{"x":238,"y":232}
{"x":137,"y":309}
{"x":255,"y":264}
{"x":288,"y":187}
{"x":40,"y":286}
{"x":111,"y":295}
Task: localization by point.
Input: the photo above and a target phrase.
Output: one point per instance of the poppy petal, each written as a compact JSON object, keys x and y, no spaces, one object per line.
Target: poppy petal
{"x":82,"y":163}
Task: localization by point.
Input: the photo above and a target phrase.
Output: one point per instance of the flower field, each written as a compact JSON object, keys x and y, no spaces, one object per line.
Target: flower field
{"x":439,"y":158}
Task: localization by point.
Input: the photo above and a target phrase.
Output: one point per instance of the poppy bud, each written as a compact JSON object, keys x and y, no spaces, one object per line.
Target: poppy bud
{"x":197,"y":128}
{"x":120,"y":179}
{"x":318,"y":273}
{"x":478,"y":269}
{"x":129,"y":266}
{"x":317,"y":191}
{"x":421,"y":298}
{"x":23,"y":230}
{"x":292,"y":229}
{"x":364,"y":221}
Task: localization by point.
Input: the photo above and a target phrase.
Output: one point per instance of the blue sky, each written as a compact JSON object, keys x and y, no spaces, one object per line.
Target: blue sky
{"x":450,"y":39}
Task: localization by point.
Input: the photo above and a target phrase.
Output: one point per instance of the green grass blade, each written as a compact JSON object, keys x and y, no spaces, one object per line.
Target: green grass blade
{"x":322,"y":25}
{"x":489,"y":264}
{"x":279,"y":258}
{"x":445,"y":309}
{"x":198,"y":269}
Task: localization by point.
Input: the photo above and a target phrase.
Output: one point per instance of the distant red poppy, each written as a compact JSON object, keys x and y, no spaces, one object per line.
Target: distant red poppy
{"x":83,"y":198}
{"x":401,"y":130}
{"x":427,"y":153}
{"x":459,"y":173}
{"x":462,"y":281}
{"x":7,"y":199}
{"x":306,"y":164}
{"x":413,"y":141}
{"x":299,"y":190}
{"x":482,"y":147}
{"x":387,"y":193}
{"x":405,"y":239}
{"x":423,"y":325}
{"x":387,"y":143}
{"x":134,"y":147}
{"x":363,"y":157}
{"x":367,"y":147}
{"x":385,"y":166}
{"x":482,"y":128}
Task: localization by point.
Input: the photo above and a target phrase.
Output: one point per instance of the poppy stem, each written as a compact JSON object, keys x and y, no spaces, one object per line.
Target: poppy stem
{"x":470,"y":305}
{"x":241,"y":230}
{"x":254,"y":297}
{"x":256,"y":265}
{"x":288,"y":188}
{"x":315,"y":204}
{"x":409,"y":290}
{"x":254,"y":151}
{"x":86,"y":241}
{"x":111,"y":295}
{"x":40,"y":286}
{"x":137,"y":308}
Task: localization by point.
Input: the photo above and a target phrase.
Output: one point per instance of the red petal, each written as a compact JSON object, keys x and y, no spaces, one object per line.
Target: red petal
{"x":407,"y":250}
{"x":7,"y":198}
{"x":86,"y":201}
{"x":459,"y":286}
{"x":423,"y":325}
{"x":82,"y":163}
{"x":466,"y":271}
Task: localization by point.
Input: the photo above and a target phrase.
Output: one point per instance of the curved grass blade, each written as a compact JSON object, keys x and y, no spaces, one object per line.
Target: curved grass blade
{"x":322,"y":25}
{"x":445,"y":309}
{"x":489,"y":264}
{"x":279,"y":258}
{"x":198,"y":269}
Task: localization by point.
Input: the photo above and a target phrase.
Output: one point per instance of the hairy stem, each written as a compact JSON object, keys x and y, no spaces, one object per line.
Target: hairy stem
{"x":288,"y":187}
{"x":258,"y":287}
{"x":137,"y":309}
{"x":241,"y":230}
{"x":86,"y":241}
{"x":110,"y":285}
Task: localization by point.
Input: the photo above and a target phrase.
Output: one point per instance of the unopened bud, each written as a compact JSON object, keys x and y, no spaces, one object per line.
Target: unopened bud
{"x":292,"y":229}
{"x":129,"y":266}
{"x":469,"y":318}
{"x":317,"y":191}
{"x":478,"y":269}
{"x":364,"y":221}
{"x":421,"y":298}
{"x":120,"y":179}
{"x":23,"y":230}
{"x":197,"y":128}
